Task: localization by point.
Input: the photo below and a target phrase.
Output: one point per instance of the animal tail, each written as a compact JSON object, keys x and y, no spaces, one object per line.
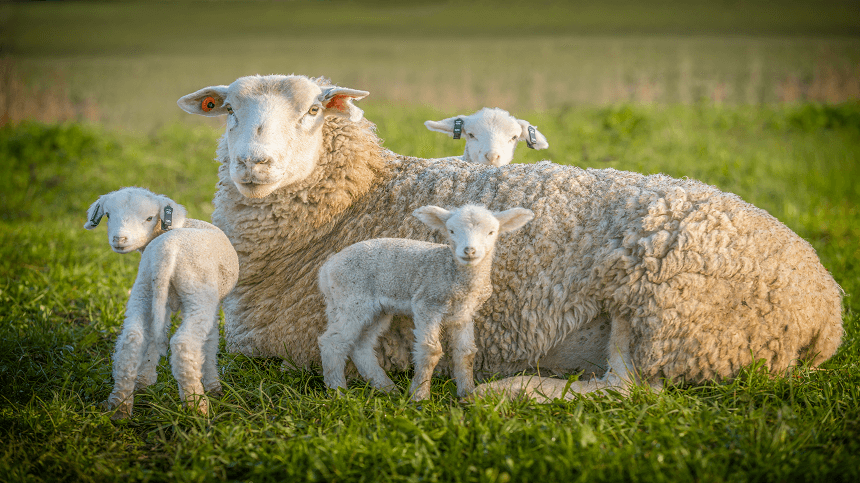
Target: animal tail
{"x":161,"y":286}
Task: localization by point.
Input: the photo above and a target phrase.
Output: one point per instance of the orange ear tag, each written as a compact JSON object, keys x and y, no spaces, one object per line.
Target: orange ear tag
{"x":208,"y":104}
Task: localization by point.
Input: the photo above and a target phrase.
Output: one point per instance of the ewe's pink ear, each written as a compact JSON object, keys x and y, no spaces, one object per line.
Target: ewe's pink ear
{"x":338,"y":101}
{"x":208,"y":101}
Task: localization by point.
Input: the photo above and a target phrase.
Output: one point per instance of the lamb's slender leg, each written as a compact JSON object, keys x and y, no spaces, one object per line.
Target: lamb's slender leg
{"x":464,"y":350}
{"x":156,"y":347}
{"x":620,"y":375}
{"x":426,"y":352}
{"x":186,"y":348}
{"x":345,"y":325}
{"x":129,"y":352}
{"x":211,"y":381}
{"x":364,"y":354}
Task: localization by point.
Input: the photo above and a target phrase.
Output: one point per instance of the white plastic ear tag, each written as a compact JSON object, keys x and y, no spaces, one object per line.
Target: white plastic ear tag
{"x":96,"y":217}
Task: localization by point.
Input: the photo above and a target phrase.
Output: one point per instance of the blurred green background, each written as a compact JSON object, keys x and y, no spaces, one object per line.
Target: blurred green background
{"x":125,"y":63}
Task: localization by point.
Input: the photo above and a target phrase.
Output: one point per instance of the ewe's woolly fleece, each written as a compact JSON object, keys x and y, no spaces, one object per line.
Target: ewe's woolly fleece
{"x":709,"y":282}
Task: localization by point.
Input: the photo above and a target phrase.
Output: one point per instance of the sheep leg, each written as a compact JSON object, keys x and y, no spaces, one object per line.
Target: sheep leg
{"x":129,"y":352}
{"x":463,"y":342}
{"x":619,"y":377}
{"x":364,"y":355}
{"x":186,"y":348}
{"x":426,"y":353}
{"x":211,"y":381}
{"x":337,"y":342}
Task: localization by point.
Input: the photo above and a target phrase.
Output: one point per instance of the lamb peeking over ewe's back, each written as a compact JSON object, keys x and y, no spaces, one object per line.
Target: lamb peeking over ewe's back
{"x":188,"y":264}
{"x":492,"y":135}
{"x":439,"y":286}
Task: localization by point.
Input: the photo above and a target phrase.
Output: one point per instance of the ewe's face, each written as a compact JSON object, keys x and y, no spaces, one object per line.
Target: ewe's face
{"x":473,"y":233}
{"x":131,"y":221}
{"x":274,"y":126}
{"x":274,"y":132}
{"x":491,"y":138}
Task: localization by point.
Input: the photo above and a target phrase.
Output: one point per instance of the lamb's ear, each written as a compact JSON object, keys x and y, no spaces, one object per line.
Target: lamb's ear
{"x":445,"y":126}
{"x":338,"y":101}
{"x":95,"y":214}
{"x":170,"y":214}
{"x":208,"y":101}
{"x":532,"y":136}
{"x":510,"y":220}
{"x":433,"y":216}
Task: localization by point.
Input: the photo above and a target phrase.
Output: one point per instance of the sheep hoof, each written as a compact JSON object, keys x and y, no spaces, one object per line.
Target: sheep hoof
{"x":215,"y":392}
{"x":121,"y":410}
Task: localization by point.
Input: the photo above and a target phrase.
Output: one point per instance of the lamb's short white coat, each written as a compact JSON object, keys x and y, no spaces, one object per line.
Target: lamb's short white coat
{"x":439,"y":286}
{"x":491,"y":135}
{"x":188,"y":265}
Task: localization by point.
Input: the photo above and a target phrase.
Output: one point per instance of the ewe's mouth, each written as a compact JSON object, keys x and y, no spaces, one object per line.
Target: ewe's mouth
{"x":255,"y":190}
{"x":467,"y":260}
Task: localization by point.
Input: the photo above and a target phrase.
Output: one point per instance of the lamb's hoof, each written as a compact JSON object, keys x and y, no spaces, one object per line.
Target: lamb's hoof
{"x":215,"y":392}
{"x":121,"y":410}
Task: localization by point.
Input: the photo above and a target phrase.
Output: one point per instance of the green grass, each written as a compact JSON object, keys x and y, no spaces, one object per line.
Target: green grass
{"x":62,"y":296}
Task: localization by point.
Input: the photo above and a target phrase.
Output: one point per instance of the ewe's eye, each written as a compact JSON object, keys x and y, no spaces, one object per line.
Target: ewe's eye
{"x":471,"y":136}
{"x":149,"y":219}
{"x":107,"y":215}
{"x":314,"y":110}
{"x":451,"y":231}
{"x":491,"y":233}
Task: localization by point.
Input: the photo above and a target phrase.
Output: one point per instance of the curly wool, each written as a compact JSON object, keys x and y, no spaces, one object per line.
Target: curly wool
{"x":708,"y":282}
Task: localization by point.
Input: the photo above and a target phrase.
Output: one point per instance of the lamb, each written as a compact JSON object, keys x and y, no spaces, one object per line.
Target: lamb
{"x":186,"y":263}
{"x":620,"y":276}
{"x":439,"y":286}
{"x":492,"y":135}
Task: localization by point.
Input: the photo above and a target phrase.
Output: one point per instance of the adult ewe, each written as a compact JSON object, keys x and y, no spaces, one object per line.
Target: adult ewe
{"x":658,"y":276}
{"x":491,"y":135}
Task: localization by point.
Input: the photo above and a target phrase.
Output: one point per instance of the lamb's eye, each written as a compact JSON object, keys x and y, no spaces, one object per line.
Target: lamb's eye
{"x":107,"y":215}
{"x":314,"y":110}
{"x":491,"y":233}
{"x":149,"y":219}
{"x":471,"y":136}
{"x":451,"y":231}
{"x":514,"y":139}
{"x":229,"y":109}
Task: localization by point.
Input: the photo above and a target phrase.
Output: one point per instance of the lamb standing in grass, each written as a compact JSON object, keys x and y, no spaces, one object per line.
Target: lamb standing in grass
{"x":491,"y":135}
{"x":369,"y":282}
{"x":186,"y":263}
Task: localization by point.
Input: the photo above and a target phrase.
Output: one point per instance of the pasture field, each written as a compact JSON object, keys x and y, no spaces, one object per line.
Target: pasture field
{"x":62,"y":294}
{"x":757,"y":98}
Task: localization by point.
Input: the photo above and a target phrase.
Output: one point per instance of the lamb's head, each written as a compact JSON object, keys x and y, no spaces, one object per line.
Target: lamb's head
{"x":135,"y":217}
{"x":274,"y":126}
{"x":472,"y":230}
{"x":491,"y":135}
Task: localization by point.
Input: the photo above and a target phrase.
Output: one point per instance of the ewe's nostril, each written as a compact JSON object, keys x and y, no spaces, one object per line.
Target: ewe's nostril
{"x":470,"y":251}
{"x":120,"y":239}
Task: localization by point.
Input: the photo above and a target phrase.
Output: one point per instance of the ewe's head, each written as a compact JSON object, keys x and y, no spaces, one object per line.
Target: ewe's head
{"x":491,"y":135}
{"x":135,"y":216}
{"x":274,"y":126}
{"x":472,"y":230}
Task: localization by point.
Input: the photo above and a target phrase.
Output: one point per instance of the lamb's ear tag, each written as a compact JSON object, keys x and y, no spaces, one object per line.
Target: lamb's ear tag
{"x":96,"y":218}
{"x":208,"y":104}
{"x":532,"y":140}
{"x":458,"y":128}
{"x":167,"y":219}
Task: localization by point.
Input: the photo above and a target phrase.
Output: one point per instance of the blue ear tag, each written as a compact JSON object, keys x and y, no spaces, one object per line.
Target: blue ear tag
{"x":167,"y":219}
{"x":532,"y":140}
{"x":458,"y":128}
